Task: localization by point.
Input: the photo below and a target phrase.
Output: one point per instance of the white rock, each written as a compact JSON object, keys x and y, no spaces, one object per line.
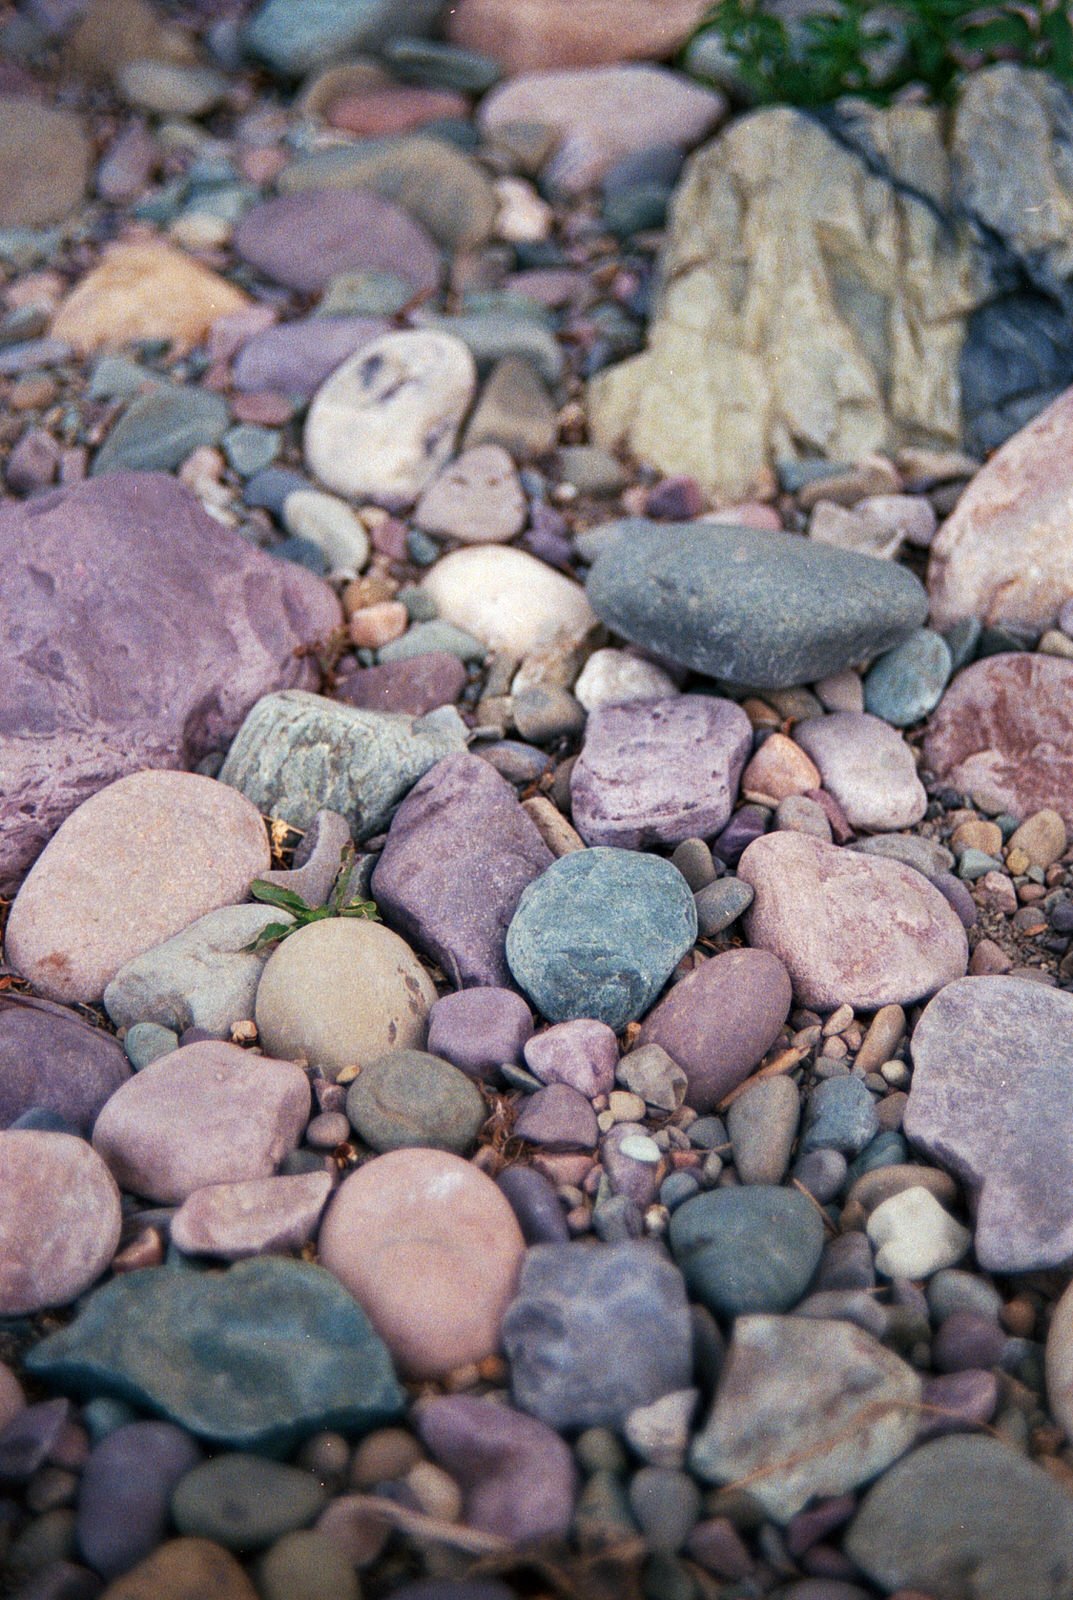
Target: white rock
{"x":867,"y":766}
{"x":507,"y":599}
{"x":523,"y":216}
{"x":478,"y":498}
{"x":332,"y":526}
{"x":660,"y":1432}
{"x":914,"y":1236}
{"x":613,"y":677}
{"x":385,"y":422}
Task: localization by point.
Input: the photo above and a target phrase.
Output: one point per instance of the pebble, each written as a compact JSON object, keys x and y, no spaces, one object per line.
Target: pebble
{"x":184,"y":1569}
{"x":514,"y":410}
{"x":159,"y":430}
{"x":510,"y":601}
{"x":958,"y":1402}
{"x":615,"y":677}
{"x":53,"y":1061}
{"x":244,"y":1502}
{"x":1042,"y":838}
{"x":649,"y":1072}
{"x":968,"y":1341}
{"x":12,"y":1400}
{"x":599,"y":933}
{"x":557,"y":1118}
{"x":778,"y":769}
{"x":762,"y":1124}
{"x":413,"y":686}
{"x":868,"y":767}
{"x":44,"y":162}
{"x":332,"y":526}
{"x":535,"y":1204}
{"x":721,"y":904}
{"x":478,"y":499}
{"x":304,"y":240}
{"x":59,"y":1219}
{"x":749,"y":1249}
{"x":295,"y":358}
{"x":306,"y":1565}
{"x":480,"y":1029}
{"x":801,"y":815}
{"x":430,"y":1249}
{"x":125,"y":1493}
{"x":840,"y":1115}
{"x":1059,"y":1363}
{"x":583,"y":1054}
{"x":908,"y":681}
{"x":926,"y":856}
{"x":253,"y":1217}
{"x":914,"y":1237}
{"x":141,"y":292}
{"x":408,"y":1098}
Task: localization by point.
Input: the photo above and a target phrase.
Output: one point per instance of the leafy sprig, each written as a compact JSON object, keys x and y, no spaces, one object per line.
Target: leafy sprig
{"x":338,"y":904}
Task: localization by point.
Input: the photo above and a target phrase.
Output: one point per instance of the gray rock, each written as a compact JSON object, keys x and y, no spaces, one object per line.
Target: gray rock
{"x":908,"y":681}
{"x":295,"y":36}
{"x":409,"y":1097}
{"x":840,"y":1115}
{"x":159,"y":430}
{"x":926,"y":856}
{"x":749,"y":1249}
{"x":245,"y":1502}
{"x":762,"y":1124}
{"x":721,"y":903}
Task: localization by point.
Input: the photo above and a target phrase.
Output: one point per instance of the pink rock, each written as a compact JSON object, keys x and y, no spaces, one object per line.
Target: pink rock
{"x":431,"y":1250}
{"x":532,"y":34}
{"x":398,"y":109}
{"x":127,"y":164}
{"x":50,"y":1058}
{"x":779,"y":769}
{"x":59,"y":1220}
{"x":557,"y":1118}
{"x":477,"y":498}
{"x":583,"y":1054}
{"x":748,"y":514}
{"x":240,"y":1114}
{"x":867,"y":766}
{"x":304,"y":239}
{"x":262,"y":1215}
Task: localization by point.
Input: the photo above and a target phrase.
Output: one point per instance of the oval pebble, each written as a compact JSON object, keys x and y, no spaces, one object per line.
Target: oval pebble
{"x":59,"y":1219}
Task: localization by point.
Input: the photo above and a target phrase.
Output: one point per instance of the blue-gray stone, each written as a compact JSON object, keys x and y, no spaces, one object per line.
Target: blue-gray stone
{"x":908,"y":682}
{"x":303,"y":552}
{"x":975,"y":863}
{"x":961,"y":640}
{"x":254,"y":1358}
{"x":840,"y":1115}
{"x":424,"y":637}
{"x":270,"y":488}
{"x":250,"y":449}
{"x":492,"y":335}
{"x":887,"y":1149}
{"x":749,"y":1249}
{"x":440,"y":66}
{"x":145,"y":1042}
{"x":764,"y":609}
{"x":245,"y":1502}
{"x":599,"y":933}
{"x":117,"y":378}
{"x":159,"y":430}
{"x":296,"y":36}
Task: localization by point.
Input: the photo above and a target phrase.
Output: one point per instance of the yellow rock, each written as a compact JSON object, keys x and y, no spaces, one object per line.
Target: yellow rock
{"x":145,"y":291}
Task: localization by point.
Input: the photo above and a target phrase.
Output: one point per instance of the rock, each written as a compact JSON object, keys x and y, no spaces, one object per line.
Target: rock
{"x":583,"y":1054}
{"x":779,"y":769}
{"x":930,"y":859}
{"x":169,"y":89}
{"x":850,"y":929}
{"x":749,"y":1249}
{"x":293,"y":37}
{"x":295,"y":358}
{"x":595,"y":1332}
{"x":987,"y":1101}
{"x":600,"y":114}
{"x":59,"y":1219}
{"x":413,"y":686}
{"x":658,"y":772}
{"x":599,"y":933}
{"x":536,"y":1205}
{"x":477,"y":499}
{"x":53,"y":1061}
{"x":720,"y":1021}
{"x":613,"y":677}
{"x":137,"y":862}
{"x":125,"y":1493}
{"x":762,"y":1125}
{"x":459,"y":854}
{"x":557,"y":1118}
{"x":430,"y":1249}
{"x":245,"y":1502}
{"x":908,"y":682}
{"x":240,"y":1116}
{"x":510,"y":601}
{"x":539,"y":34}
{"x":297,"y":753}
{"x":256,"y":1217}
{"x":515,"y":410}
{"x":44,"y":163}
{"x":480,"y":1029}
{"x":914,"y":1237}
{"x":303,"y":240}
{"x":214,"y":1353}
{"x":877,"y":525}
{"x":145,"y":291}
{"x":517,"y":1476}
{"x":342,"y":992}
{"x":1059,"y":1357}
{"x":1042,"y":837}
{"x":1001,"y":734}
{"x":318,"y":860}
{"x":649,"y":1071}
{"x":160,"y":429}
{"x":962,"y":1517}
{"x":840,"y":1115}
{"x":385,"y":422}
{"x":306,"y":1565}
{"x":199,"y":625}
{"x":806,"y":1408}
{"x":12,"y":1400}
{"x":184,"y":1569}
{"x":330,"y":525}
{"x":867,"y":766}
{"x":765,"y":609}
{"x":408,"y":1099}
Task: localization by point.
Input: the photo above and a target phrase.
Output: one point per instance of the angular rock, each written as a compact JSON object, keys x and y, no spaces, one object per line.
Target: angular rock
{"x":125,"y":1492}
{"x":303,"y":240}
{"x":145,"y":291}
{"x":44,"y":163}
{"x":413,"y":686}
{"x":557,"y":1118}
{"x":257,"y":1217}
{"x":867,"y":766}
{"x":583,"y":1054}
{"x":160,"y":429}
{"x":408,"y":1099}
{"x":480,"y":1029}
{"x":753,"y":1248}
{"x":52,"y":1060}
{"x":318,"y":860}
{"x":515,"y":410}
{"x":295,"y":358}
{"x":509,"y":600}
{"x":184,"y":1569}
{"x":477,"y":499}
{"x":762,"y":1125}
{"x":59,"y":1219}
{"x":613,"y":677}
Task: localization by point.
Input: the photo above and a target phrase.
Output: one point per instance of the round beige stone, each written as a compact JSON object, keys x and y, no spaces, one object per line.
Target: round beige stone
{"x":508,"y":599}
{"x":59,"y":1220}
{"x":431,"y":1250}
{"x":44,"y":162}
{"x":341,"y":992}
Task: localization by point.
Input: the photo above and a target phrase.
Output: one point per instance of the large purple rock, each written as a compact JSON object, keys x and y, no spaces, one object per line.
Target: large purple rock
{"x":125,"y":1493}
{"x":52,"y":1059}
{"x":138,"y":634}
{"x":304,"y":239}
{"x":295,"y":358}
{"x":992,"y":1101}
{"x":459,"y":854}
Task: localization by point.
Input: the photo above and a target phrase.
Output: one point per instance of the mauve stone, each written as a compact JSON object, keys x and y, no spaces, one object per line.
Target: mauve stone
{"x":125,"y":1492}
{"x":257,"y":1217}
{"x":480,"y":1029}
{"x":719,"y":1548}
{"x":52,"y":1060}
{"x":850,"y":928}
{"x":302,"y":240}
{"x":992,"y":1101}
{"x":867,"y":766}
{"x":807,"y":1527}
{"x":749,"y":822}
{"x":1003,"y":733}
{"x":240,"y":1115}
{"x":719,"y":1022}
{"x":958,"y":1402}
{"x":1059,"y":1361}
{"x":557,"y":1118}
{"x":582,"y":1053}
{"x":517,"y":1475}
{"x":459,"y":853}
{"x":659,"y":771}
{"x":414,"y":686}
{"x":200,"y":624}
{"x":636,"y":1179}
{"x":535,"y":1204}
{"x":966,"y":1340}
{"x":296,"y":357}
{"x":30,"y":1437}
{"x":59,"y":1220}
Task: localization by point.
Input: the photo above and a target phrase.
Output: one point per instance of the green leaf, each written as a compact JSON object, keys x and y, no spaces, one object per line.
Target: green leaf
{"x":283,"y":899}
{"x":272,"y":934}
{"x":361,"y":908}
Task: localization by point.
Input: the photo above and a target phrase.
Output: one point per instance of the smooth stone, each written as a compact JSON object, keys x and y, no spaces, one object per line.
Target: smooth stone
{"x":535,"y":1204}
{"x":913,"y":1236}
{"x":306,"y":1565}
{"x":304,"y":240}
{"x":720,"y":904}
{"x":599,"y":933}
{"x":332,"y":526}
{"x":958,"y":1402}
{"x":667,"y":1505}
{"x":143,"y":292}
{"x":44,"y":162}
{"x":159,"y":430}
{"x":298,"y":753}
{"x":956,"y":1289}
{"x":925,"y":856}
{"x":459,"y":854}
{"x":318,"y":860}
{"x":766,"y":609}
{"x":968,"y":1341}
{"x":615,"y":677}
{"x":850,"y":929}
{"x":822,"y":1173}
{"x":840,"y":1115}
{"x":480,"y":1029}
{"x":989,"y":1099}
{"x":762,"y":1124}
{"x":583,"y":1054}
{"x":1042,"y":837}
{"x":258,"y":1216}
{"x":59,"y":1219}
{"x":878,"y":525}
{"x":750,"y":1249}
{"x":52,"y":1060}
{"x":408,"y":1099}
{"x":805,"y":1408}
{"x":214,"y":1353}
{"x":649,"y":1071}
{"x":295,"y":358}
{"x":199,"y":625}
{"x":494,"y":332}
{"x":537,"y":34}
{"x":446,"y":66}
{"x":963,"y":1517}
{"x":1059,"y":1363}
{"x":659,"y":772}
{"x":385,"y":422}
{"x":429,"y":635}
{"x":780,"y":768}
{"x":342,"y":992}
{"x":125,"y":1492}
{"x":557,"y":1118}
{"x":240,"y":1115}
{"x":510,"y":601}
{"x":659,"y":1432}
{"x":250,"y":449}
{"x":478,"y":499}
{"x":184,"y":1569}
{"x":517,"y":1475}
{"x":31,"y":1437}
{"x":413,"y":686}
{"x":867,"y":766}
{"x":294,"y":37}
{"x":595,"y":1332}
{"x":1002,"y":734}
{"x":430,"y":1248}
{"x":12,"y":1399}
{"x":719,"y":1022}
{"x":170,"y":90}
{"x":908,"y":681}
{"x":205,"y":977}
{"x":801,"y":815}
{"x":514,"y":410}
{"x":245,"y":1502}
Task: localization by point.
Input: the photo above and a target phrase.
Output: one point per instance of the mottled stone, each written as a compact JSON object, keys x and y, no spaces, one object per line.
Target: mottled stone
{"x":509,"y":600}
{"x":303,"y":240}
{"x":145,"y":291}
{"x":244,"y":1502}
{"x":867,"y":766}
{"x":59,"y":1219}
{"x":53,"y":1061}
{"x":251,"y":1218}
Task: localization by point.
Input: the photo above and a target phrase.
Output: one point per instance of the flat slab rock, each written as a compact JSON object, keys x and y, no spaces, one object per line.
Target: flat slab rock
{"x":992,"y":1101}
{"x":139,"y":633}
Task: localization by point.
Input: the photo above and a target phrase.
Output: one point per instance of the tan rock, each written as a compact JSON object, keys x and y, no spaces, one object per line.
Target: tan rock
{"x":508,"y":599}
{"x":145,"y":291}
{"x":111,"y":33}
{"x":1060,"y":1362}
{"x":44,"y":163}
{"x":1042,"y":837}
{"x":779,"y":768}
{"x":184,"y":1569}
{"x":532,"y":34}
{"x":12,"y":1398}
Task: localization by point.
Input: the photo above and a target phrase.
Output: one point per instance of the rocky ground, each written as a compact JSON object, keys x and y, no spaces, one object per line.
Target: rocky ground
{"x":536,"y":743}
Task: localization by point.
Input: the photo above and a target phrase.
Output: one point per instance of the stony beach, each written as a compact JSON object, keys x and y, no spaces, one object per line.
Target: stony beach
{"x":536,"y":814}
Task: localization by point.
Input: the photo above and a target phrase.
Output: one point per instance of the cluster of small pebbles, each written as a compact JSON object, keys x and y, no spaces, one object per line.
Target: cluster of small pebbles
{"x":536,"y":1004}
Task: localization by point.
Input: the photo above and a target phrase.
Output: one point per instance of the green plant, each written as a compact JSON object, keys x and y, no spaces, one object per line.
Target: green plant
{"x":337,"y":905}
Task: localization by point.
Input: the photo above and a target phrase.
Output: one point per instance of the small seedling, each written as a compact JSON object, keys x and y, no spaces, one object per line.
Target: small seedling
{"x":337,"y":905}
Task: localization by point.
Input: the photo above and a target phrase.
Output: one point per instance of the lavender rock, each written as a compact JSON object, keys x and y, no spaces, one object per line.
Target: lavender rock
{"x":257,"y":1217}
{"x":296,"y":357}
{"x":125,"y":1493}
{"x":583,"y":1053}
{"x":867,"y":766}
{"x":51,"y":1059}
{"x":480,"y":1029}
{"x":535,"y":1204}
{"x":302,"y":240}
{"x":414,"y":686}
{"x":958,"y":1402}
{"x":59,"y":1219}
{"x":557,"y":1118}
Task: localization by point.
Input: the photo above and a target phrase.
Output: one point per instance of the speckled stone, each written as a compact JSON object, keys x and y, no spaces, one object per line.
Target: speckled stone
{"x":59,"y":1219}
